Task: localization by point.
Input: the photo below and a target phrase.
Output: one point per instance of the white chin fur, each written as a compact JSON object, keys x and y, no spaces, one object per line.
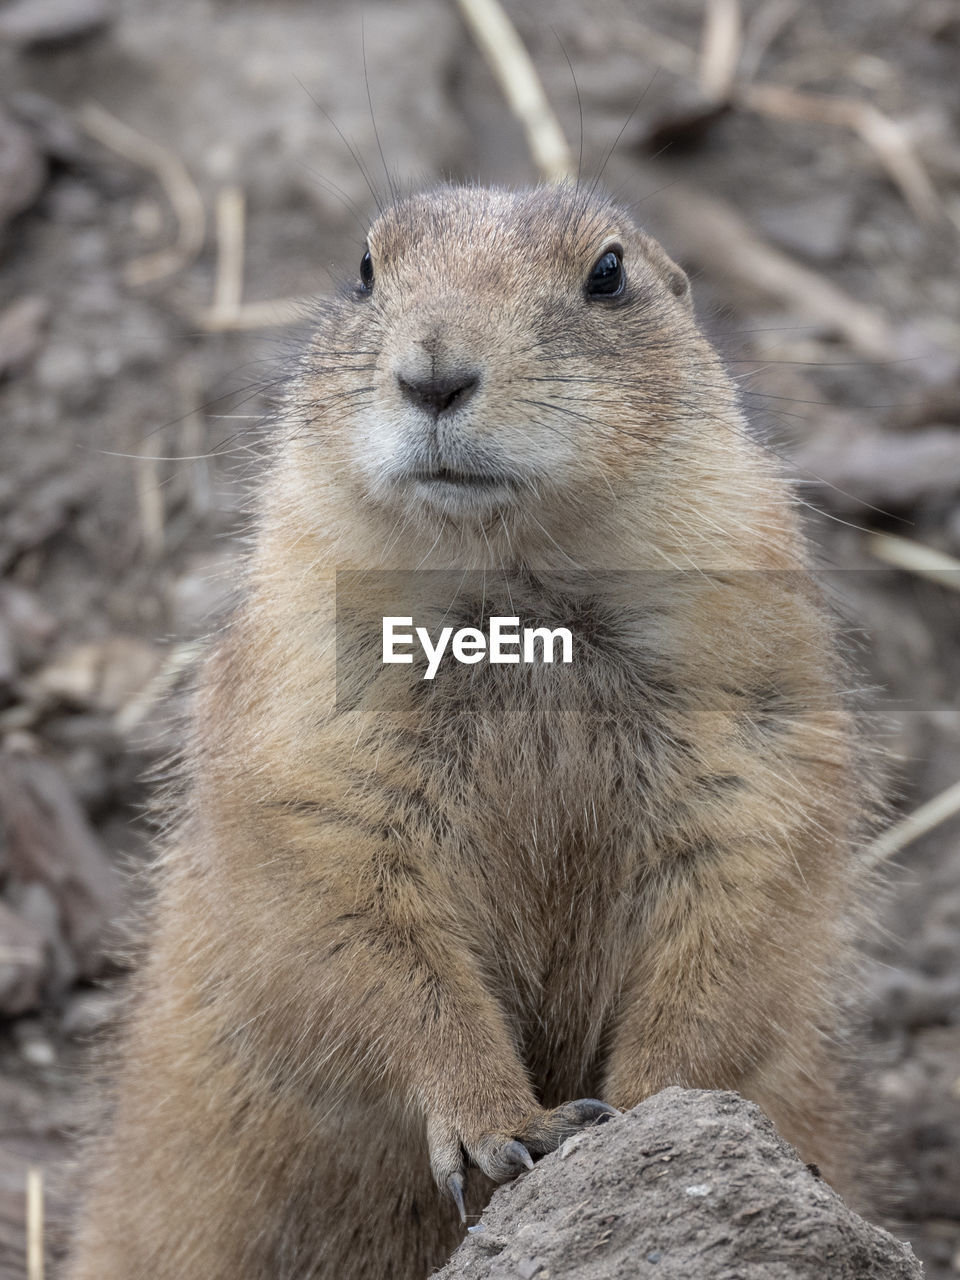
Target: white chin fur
{"x":458,"y":499}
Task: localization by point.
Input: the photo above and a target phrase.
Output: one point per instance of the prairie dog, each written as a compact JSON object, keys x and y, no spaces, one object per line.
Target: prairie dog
{"x":410,"y":934}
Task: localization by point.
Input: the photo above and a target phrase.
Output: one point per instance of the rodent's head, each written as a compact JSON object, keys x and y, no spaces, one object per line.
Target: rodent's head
{"x":507,"y":360}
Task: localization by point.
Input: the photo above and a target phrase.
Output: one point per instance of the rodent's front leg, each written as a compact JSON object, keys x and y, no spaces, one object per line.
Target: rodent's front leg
{"x":404,"y":1009}
{"x":728,"y":987}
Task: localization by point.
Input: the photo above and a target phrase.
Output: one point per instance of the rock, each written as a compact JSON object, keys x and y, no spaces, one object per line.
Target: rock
{"x":21,"y":331}
{"x":818,"y":228}
{"x":33,"y":1043}
{"x":43,"y":512}
{"x":857,"y":464}
{"x":23,"y":171}
{"x":31,"y":24}
{"x":23,"y":963}
{"x":74,"y":204}
{"x":51,"y":843}
{"x":690,"y":1183}
{"x":36,"y":906}
{"x":29,"y":626}
{"x":88,"y":1013}
{"x":65,"y":369}
{"x":53,"y":128}
{"x":9,"y":667}
{"x":901,"y":998}
{"x":102,"y":676}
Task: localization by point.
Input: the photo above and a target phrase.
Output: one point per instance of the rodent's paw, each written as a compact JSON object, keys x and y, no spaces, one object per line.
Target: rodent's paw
{"x":501,"y":1156}
{"x":548,"y":1129}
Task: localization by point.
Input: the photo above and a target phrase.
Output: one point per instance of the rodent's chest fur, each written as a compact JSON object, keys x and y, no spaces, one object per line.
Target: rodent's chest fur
{"x":542,"y":749}
{"x":529,"y":793}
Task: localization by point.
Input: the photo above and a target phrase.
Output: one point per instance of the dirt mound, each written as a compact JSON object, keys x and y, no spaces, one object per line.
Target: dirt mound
{"x":689,"y":1184}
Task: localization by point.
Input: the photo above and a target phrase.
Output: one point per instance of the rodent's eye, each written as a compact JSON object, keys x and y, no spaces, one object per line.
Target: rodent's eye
{"x":366,"y":272}
{"x":607,"y":278}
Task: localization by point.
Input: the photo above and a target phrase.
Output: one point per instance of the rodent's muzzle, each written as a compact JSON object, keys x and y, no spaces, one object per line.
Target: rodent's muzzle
{"x":442,"y":446}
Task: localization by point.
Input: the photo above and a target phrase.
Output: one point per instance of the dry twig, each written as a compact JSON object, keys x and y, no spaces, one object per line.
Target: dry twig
{"x":520,"y":84}
{"x":173,"y":176}
{"x":716,"y":236}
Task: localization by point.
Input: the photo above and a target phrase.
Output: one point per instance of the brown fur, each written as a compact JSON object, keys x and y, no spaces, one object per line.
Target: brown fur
{"x":405,"y":926}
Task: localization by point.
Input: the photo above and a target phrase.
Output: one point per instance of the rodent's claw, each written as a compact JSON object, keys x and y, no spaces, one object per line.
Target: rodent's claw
{"x":554,"y":1127}
{"x":455,"y":1184}
{"x":590,"y":1110}
{"x":587,"y":1111}
{"x":500,"y":1156}
{"x":507,"y":1161}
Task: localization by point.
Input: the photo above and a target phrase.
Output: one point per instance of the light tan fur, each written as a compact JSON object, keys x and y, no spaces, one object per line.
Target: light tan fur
{"x":402,"y":923}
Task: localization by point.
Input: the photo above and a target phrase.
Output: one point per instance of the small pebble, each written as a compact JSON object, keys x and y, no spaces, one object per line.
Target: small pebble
{"x":698,"y":1189}
{"x":90,"y":1012}
{"x":570,"y":1146}
{"x":21,"y":332}
{"x":23,"y":170}
{"x":34,"y":1046}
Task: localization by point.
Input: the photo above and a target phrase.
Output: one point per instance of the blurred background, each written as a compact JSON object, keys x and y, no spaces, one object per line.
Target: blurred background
{"x":175,"y":175}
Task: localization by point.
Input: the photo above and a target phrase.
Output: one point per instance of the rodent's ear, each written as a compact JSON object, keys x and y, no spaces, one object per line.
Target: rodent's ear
{"x":674,"y":277}
{"x":678,"y":283}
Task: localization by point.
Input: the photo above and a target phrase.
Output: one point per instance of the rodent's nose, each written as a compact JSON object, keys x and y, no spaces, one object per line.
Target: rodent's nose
{"x":438,"y":393}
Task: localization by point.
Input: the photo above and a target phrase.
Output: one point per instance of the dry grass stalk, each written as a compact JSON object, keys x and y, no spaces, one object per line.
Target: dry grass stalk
{"x":909,"y":829}
{"x":720,"y":49}
{"x":231,"y":233}
{"x":652,"y":46}
{"x":716,"y":70}
{"x":887,"y":138}
{"x":270,"y":314}
{"x":927,"y":562}
{"x":717,"y":237}
{"x":34,"y":1224}
{"x":150,"y":501}
{"x":228,"y":312}
{"x":521,"y":86}
{"x":199,"y":492}
{"x":762,"y":30}
{"x":173,"y":176}
{"x":180,"y":658}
